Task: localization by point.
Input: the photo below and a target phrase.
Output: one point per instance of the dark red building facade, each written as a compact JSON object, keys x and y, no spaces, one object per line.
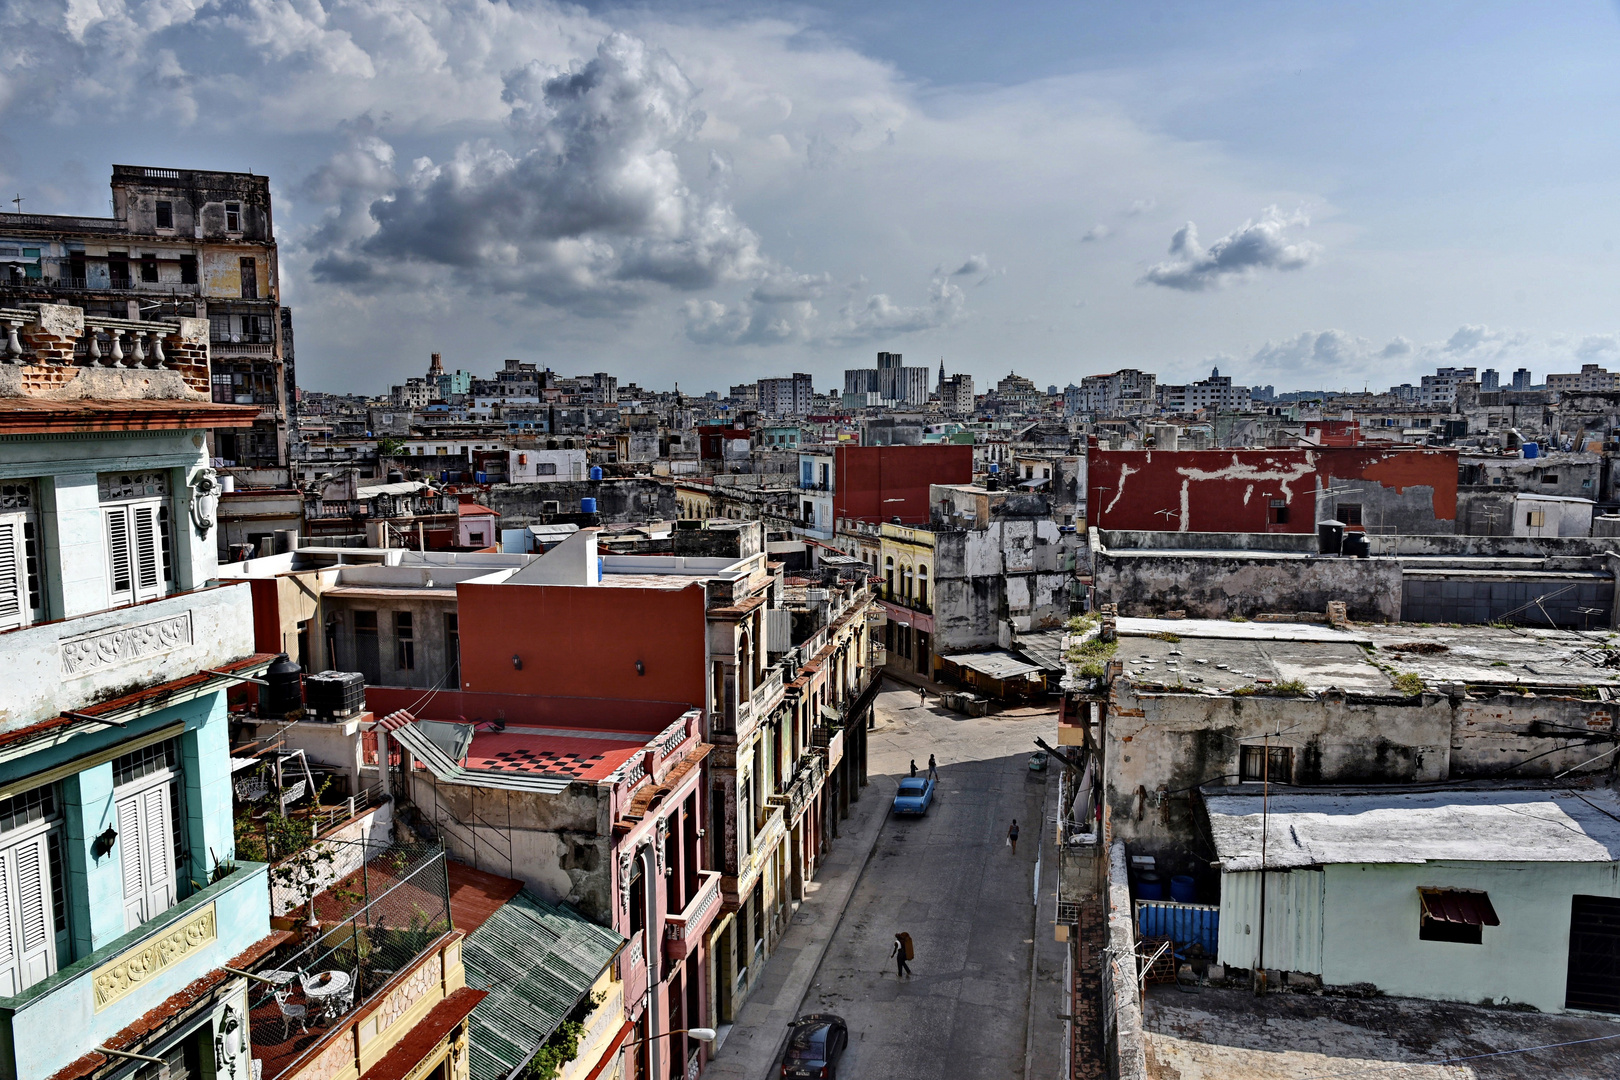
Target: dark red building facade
{"x":881,"y":483}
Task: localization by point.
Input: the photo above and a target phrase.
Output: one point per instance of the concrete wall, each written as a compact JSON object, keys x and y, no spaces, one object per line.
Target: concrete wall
{"x":1371,"y":918}
{"x":1219,"y":586}
{"x":1543,"y":600}
{"x":624,"y":501}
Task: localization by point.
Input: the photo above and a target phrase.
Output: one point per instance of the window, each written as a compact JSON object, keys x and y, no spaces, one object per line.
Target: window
{"x":22,"y":597}
{"x":118,"y":269}
{"x":144,"y":818}
{"x":1536,"y":519}
{"x":165,"y":214}
{"x":922,"y":586}
{"x":452,"y":648}
{"x":1254,"y":768}
{"x":139,"y":532}
{"x":1350,"y":513}
{"x":149,"y":269}
{"x":250,"y":277}
{"x":404,"y":642}
{"x":545,"y":468}
{"x":365,"y":645}
{"x":1278,"y":512}
{"x":1457,"y":915}
{"x":33,"y":925}
{"x":233,"y":217}
{"x":1549,"y":478}
{"x":188,"y":269}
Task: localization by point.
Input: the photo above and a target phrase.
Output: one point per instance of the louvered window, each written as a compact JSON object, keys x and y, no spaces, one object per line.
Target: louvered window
{"x":140,"y":537}
{"x":22,"y":596}
{"x":33,"y":902}
{"x":146,"y":832}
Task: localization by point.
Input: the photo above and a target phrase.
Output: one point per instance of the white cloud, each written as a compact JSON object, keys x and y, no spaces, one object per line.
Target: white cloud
{"x":1258,"y":244}
{"x":1096,"y":232}
{"x":975,"y":264}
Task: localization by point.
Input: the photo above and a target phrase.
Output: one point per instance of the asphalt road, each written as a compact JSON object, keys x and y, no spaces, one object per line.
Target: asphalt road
{"x":950,"y":881}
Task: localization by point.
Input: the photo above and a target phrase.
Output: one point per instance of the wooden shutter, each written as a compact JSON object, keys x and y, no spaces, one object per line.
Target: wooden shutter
{"x":131,"y":858}
{"x":10,"y":976}
{"x":37,"y":932}
{"x":119,"y":566}
{"x":157,"y":836}
{"x":14,"y":603}
{"x":148,"y":559}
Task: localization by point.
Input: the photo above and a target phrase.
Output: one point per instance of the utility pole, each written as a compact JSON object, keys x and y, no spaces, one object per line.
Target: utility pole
{"x":1265,"y":829}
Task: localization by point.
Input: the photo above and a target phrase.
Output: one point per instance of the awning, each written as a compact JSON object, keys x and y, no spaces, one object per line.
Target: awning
{"x":1459,"y":906}
{"x":830,"y":713}
{"x":998,"y":664}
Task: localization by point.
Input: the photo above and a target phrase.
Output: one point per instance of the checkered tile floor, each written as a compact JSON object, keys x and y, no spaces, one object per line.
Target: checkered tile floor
{"x":544,"y":762}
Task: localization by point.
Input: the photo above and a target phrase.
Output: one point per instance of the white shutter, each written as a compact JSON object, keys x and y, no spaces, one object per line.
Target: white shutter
{"x":37,"y":936}
{"x":148,"y":565}
{"x":131,"y":856}
{"x":121,"y":574}
{"x":10,"y":976}
{"x":157,"y":835}
{"x":13,"y":575}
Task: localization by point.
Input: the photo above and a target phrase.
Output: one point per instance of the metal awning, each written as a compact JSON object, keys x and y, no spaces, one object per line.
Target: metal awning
{"x":998,"y":664}
{"x":1459,"y":906}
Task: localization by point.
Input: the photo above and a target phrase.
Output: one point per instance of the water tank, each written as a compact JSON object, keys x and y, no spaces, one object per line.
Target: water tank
{"x":587,"y":506}
{"x":333,"y":695}
{"x":596,"y":472}
{"x":1329,"y":537}
{"x":1532,"y":450}
{"x":994,"y":468}
{"x":395,"y":476}
{"x":1148,"y":886}
{"x":1356,"y":545}
{"x":285,"y":692}
{"x":1183,"y":890}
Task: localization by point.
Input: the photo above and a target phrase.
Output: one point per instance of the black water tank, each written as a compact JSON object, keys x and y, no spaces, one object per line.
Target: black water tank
{"x":395,"y":476}
{"x":335,"y":695}
{"x":285,"y":692}
{"x":1329,"y":537}
{"x":1356,"y":545}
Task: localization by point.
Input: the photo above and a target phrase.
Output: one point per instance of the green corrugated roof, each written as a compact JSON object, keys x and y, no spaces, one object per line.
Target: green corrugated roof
{"x":537,"y":960}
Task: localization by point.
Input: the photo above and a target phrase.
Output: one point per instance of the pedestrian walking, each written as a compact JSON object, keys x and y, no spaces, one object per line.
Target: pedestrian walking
{"x":1012,"y":836}
{"x":933,"y":769}
{"x":902,"y":951}
{"x":922,"y":696}
{"x":913,"y":766}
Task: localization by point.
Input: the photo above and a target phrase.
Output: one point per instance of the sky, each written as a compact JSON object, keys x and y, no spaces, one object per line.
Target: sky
{"x":1310,"y":196}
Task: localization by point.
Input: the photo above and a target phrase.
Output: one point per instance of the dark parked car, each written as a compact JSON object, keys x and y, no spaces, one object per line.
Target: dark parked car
{"x":814,"y":1045}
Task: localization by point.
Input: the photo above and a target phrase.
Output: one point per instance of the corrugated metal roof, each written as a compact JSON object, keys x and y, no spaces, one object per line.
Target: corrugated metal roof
{"x":536,"y":960}
{"x":1459,"y":906}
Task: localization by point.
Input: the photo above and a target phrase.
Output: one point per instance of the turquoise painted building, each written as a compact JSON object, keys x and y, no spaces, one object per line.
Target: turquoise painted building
{"x":121,"y":904}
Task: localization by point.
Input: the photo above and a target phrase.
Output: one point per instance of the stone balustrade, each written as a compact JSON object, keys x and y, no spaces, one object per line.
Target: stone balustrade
{"x":50,"y":341}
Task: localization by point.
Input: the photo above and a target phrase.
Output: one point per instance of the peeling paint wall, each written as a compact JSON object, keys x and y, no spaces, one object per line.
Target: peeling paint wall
{"x":1220,"y":585}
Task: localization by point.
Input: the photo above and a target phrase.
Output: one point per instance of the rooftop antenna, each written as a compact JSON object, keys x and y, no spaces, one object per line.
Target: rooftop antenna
{"x":19,"y":201}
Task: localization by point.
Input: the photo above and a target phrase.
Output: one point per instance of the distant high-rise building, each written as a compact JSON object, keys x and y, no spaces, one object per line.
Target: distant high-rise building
{"x":956,"y":395}
{"x":1489,"y":380}
{"x":791,"y":396}
{"x":1127,"y":392}
{"x":1521,"y":379}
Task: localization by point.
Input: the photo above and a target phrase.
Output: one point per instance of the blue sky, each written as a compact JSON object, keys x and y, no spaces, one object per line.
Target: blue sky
{"x":1308,"y":195}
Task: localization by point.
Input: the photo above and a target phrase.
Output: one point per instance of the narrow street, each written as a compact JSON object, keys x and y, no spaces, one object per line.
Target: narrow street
{"x":950,"y":880}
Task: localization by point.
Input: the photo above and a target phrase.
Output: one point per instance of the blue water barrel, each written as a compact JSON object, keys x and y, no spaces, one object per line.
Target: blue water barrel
{"x":587,"y":506}
{"x":1532,"y":450}
{"x":1149,"y":887}
{"x":1183,"y":890}
{"x":994,"y":468}
{"x":596,"y":472}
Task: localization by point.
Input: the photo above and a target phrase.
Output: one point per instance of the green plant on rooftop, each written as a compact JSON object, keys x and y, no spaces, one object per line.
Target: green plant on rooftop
{"x":563,"y":1045}
{"x":1286,"y":688}
{"x":1081,"y":623}
{"x":1090,"y":656}
{"x":1409,"y":683}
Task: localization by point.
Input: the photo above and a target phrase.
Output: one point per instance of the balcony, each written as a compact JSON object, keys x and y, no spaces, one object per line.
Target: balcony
{"x":804,"y":785}
{"x":682,"y":932}
{"x":389,"y":953}
{"x":88,"y":1002}
{"x":224,"y":349}
{"x":77,"y":662}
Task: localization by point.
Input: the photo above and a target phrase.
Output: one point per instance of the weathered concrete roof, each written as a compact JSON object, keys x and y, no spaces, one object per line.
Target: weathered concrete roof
{"x":1325,"y":828}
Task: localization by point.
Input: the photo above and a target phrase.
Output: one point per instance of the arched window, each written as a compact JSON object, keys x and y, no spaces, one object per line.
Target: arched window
{"x":908,"y":580}
{"x":922,"y":586}
{"x":888,"y":577}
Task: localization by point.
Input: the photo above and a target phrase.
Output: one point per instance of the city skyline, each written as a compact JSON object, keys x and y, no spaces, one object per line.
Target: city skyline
{"x":715,"y":195}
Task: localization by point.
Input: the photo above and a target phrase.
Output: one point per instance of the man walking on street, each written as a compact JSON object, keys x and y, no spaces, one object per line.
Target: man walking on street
{"x":913,"y":766}
{"x":933,"y":770}
{"x":922,"y":696}
{"x":1012,"y":836}
{"x":902,"y":951}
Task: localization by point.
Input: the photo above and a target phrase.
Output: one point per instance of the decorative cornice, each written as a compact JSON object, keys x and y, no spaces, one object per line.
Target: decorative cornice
{"x":129,"y":971}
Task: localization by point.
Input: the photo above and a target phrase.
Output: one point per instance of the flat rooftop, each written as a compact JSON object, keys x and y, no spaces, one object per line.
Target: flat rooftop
{"x":1224,"y":1034}
{"x":1218,"y":656}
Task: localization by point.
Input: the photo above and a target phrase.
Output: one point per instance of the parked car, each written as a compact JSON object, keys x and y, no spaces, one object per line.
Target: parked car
{"x":815,"y":1043}
{"x":916,"y":794}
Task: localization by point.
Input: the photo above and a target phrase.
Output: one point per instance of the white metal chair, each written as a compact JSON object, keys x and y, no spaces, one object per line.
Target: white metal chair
{"x":290,"y":1012}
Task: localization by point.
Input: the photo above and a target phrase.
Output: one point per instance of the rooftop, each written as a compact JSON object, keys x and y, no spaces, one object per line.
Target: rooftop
{"x":1319,"y":828}
{"x":1220,"y":1033}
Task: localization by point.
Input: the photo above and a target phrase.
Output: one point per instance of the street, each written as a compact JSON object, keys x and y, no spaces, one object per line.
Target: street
{"x":951,"y":882}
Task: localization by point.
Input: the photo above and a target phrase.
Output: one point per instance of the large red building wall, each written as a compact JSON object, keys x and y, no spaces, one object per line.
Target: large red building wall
{"x":584,"y":641}
{"x":1232,"y":490}
{"x":877,"y":483}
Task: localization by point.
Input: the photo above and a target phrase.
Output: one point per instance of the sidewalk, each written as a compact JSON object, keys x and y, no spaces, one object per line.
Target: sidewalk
{"x":750,"y":1049}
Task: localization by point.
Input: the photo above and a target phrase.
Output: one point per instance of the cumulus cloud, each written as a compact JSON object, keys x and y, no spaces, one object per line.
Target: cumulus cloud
{"x":1258,"y":244}
{"x":975,"y":264}
{"x":1140,"y":206}
{"x":861,"y":318}
{"x":592,"y":205}
{"x":1095,"y":233}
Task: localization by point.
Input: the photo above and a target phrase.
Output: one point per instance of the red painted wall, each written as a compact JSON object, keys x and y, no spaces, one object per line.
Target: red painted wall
{"x":1232,"y":490}
{"x":266,"y":614}
{"x":584,"y":641}
{"x":876,"y":483}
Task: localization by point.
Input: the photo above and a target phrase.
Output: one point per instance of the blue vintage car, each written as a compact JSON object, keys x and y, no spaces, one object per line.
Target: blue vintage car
{"x":916,"y":794}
